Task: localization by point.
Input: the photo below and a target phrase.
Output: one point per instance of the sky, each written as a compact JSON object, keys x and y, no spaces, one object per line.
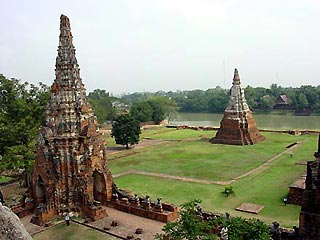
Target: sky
{"x":126,"y":46}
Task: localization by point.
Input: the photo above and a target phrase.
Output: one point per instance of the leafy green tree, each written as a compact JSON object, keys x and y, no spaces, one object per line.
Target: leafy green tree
{"x":126,"y":130}
{"x":213,"y":99}
{"x":274,"y":90}
{"x":142,"y":111}
{"x":302,"y":101}
{"x":292,"y":97}
{"x":242,"y":229}
{"x":218,"y":101}
{"x":250,"y":94}
{"x":156,"y":108}
{"x":317,"y":106}
{"x":260,"y":92}
{"x":189,"y":225}
{"x":162,"y":108}
{"x":311,"y":95}
{"x":102,"y":105}
{"x":267,"y":102}
{"x":195,"y":101}
{"x":22,"y":107}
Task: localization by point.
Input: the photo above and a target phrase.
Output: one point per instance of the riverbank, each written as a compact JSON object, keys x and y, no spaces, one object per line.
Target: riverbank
{"x":202,"y":128}
{"x":263,"y":121}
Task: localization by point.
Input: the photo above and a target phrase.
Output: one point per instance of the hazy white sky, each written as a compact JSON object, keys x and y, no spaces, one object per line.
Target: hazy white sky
{"x":148,"y":45}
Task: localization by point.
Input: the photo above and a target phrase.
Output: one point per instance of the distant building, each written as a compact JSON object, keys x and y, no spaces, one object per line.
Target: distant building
{"x":282,"y":102}
{"x":121,"y":107}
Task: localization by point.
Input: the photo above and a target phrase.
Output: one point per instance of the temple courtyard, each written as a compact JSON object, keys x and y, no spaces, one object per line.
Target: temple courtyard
{"x":181,"y":165}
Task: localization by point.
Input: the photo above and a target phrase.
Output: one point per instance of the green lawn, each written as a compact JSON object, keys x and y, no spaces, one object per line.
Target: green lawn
{"x":200,"y":159}
{"x":72,"y":232}
{"x":109,"y":141}
{"x":162,"y":133}
{"x":174,"y":134}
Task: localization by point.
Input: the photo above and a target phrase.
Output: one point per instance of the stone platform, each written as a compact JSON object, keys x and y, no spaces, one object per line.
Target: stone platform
{"x":250,"y":208}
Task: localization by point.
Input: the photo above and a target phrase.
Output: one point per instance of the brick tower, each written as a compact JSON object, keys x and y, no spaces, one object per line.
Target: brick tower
{"x":70,"y":170}
{"x":237,"y":126}
{"x":309,"y":221}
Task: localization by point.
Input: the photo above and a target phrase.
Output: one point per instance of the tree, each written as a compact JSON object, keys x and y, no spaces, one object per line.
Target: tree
{"x":240,"y":228}
{"x":192,"y":226}
{"x":162,"y":108}
{"x":189,"y":225}
{"x":102,"y":105}
{"x":311,"y":95}
{"x":218,"y":101}
{"x":302,"y":101}
{"x":22,"y":107}
{"x":126,"y":130}
{"x":156,"y":108}
{"x":142,"y":111}
{"x":267,"y":102}
{"x":250,"y":94}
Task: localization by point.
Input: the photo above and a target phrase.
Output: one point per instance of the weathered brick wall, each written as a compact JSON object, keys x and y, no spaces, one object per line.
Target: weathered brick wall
{"x":295,"y":196}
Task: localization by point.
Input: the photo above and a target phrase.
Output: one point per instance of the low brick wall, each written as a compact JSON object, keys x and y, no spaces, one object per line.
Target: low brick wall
{"x":169,"y":213}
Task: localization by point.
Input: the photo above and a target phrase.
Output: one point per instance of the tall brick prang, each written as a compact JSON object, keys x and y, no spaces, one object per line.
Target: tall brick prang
{"x":237,"y":126}
{"x":70,"y":171}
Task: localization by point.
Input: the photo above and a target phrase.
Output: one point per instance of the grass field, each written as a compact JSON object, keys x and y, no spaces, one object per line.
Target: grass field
{"x":72,"y":232}
{"x":198,"y":158}
{"x":192,"y":156}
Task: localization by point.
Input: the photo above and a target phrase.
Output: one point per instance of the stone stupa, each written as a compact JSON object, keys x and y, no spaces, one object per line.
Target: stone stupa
{"x":237,"y":126}
{"x":70,"y":171}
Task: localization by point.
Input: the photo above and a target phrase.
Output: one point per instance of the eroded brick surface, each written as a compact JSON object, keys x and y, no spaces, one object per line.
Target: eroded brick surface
{"x":237,"y":126}
{"x":309,"y":221}
{"x":70,"y":171}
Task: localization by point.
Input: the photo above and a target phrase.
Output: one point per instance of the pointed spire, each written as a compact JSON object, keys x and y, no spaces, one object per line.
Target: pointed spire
{"x":65,"y":38}
{"x":236,"y":77}
{"x":64,"y":22}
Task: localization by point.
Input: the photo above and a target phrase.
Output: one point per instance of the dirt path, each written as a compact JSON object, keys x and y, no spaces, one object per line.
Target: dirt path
{"x":204,"y":181}
{"x":161,"y":175}
{"x":265,"y":165}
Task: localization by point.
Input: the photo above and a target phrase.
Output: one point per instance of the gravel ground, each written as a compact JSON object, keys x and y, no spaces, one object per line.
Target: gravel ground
{"x":128,"y":224}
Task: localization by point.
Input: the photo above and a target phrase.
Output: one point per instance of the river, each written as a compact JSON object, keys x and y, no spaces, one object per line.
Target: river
{"x":264,"y":121}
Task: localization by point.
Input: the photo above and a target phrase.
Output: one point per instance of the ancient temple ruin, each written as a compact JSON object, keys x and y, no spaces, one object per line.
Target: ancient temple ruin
{"x":309,"y":221}
{"x":70,"y":170}
{"x":237,"y":126}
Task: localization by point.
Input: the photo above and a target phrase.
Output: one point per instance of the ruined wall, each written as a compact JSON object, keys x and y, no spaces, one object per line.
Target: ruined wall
{"x":309,"y":220}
